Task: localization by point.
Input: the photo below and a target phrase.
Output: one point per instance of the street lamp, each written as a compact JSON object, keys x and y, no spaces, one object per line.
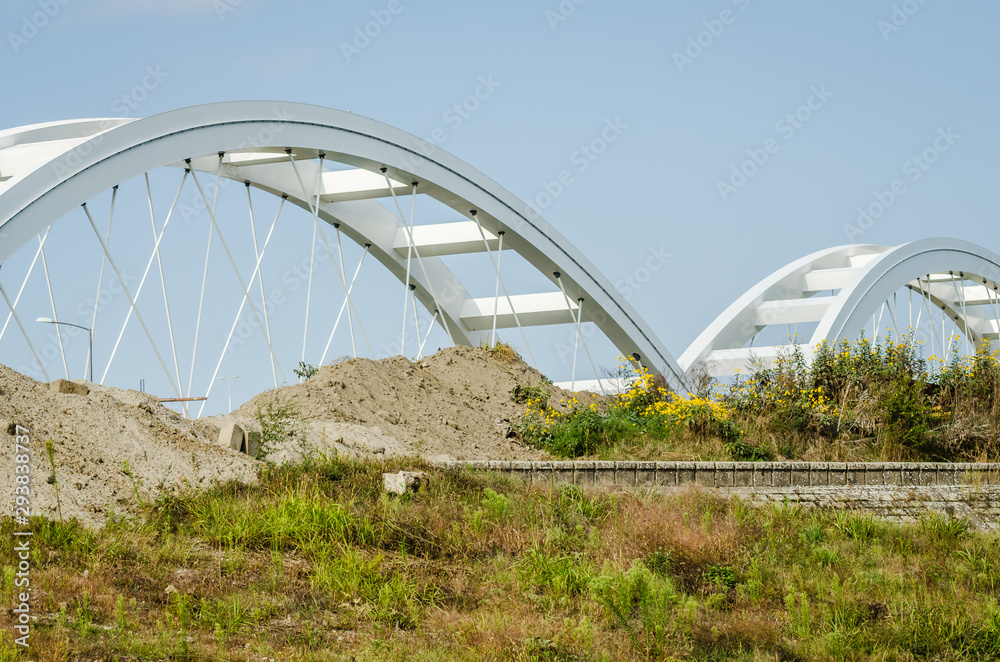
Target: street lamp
{"x":90,"y":351}
{"x":229,"y":384}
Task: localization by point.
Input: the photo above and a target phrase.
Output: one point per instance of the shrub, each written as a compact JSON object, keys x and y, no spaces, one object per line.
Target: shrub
{"x":646,"y":407}
{"x":305,"y":370}
{"x":279,"y":423}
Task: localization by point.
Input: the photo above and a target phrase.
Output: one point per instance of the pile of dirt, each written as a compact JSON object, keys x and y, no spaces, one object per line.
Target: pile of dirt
{"x":93,"y":436}
{"x":455,"y":404}
{"x":111,"y":444}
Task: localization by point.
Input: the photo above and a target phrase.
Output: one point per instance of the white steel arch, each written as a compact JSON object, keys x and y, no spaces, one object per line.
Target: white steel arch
{"x":47,"y":170}
{"x":957,"y":278}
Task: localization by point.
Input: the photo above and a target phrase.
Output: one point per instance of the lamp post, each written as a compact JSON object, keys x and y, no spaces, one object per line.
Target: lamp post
{"x":229,"y":384}
{"x":90,"y":350}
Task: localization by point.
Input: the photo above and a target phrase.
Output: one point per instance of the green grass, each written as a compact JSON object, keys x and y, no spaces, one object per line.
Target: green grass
{"x":315,"y":563}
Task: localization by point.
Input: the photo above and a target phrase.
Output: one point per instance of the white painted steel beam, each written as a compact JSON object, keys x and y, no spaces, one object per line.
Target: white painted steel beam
{"x":446,"y":239}
{"x":793,"y":311}
{"x":358,"y":184}
{"x":532,"y":310}
{"x":820,"y":280}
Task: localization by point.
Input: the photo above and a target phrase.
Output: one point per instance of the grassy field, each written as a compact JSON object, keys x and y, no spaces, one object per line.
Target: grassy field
{"x":862,"y":401}
{"x":316,"y":563}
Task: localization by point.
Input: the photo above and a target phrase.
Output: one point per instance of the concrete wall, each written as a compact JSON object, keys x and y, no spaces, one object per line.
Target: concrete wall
{"x":895,"y":490}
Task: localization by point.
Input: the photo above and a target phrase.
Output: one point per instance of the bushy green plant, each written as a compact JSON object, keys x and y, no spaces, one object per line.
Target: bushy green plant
{"x":524,"y":393}
{"x":883,"y":390}
{"x":278,"y":422}
{"x":305,"y":370}
{"x":646,"y":407}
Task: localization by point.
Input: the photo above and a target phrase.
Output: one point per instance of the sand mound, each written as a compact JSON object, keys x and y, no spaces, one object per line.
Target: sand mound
{"x":93,"y":435}
{"x":455,"y":404}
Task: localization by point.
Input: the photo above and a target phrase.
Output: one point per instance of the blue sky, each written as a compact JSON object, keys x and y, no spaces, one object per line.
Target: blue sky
{"x":698,"y":87}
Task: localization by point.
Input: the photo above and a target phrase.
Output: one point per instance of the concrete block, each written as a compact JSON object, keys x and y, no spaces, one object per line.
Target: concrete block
{"x":685,"y":473}
{"x":604,"y":474}
{"x":927,"y":474}
{"x":948,"y":474}
{"x":645,"y":474}
{"x":404,"y":481}
{"x":233,"y":437}
{"x":521,"y":469}
{"x":743,"y":474}
{"x":838,"y":473}
{"x":781,"y":474}
{"x":855,"y":473}
{"x":704,"y":474}
{"x":625,"y":473}
{"x":874,"y":473}
{"x":799,"y":474}
{"x":499,"y":466}
{"x":819,"y":473}
{"x":991,"y":474}
{"x":562,"y":472}
{"x":911,"y":474}
{"x":71,"y":388}
{"x":967,"y":474}
{"x":892,"y":473}
{"x":542,"y":473}
{"x":666,"y":474}
{"x":725,"y":474}
{"x":583,"y":474}
{"x":763,"y":474}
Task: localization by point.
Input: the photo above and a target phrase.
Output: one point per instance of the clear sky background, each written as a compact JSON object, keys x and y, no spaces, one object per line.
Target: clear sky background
{"x":695,"y":84}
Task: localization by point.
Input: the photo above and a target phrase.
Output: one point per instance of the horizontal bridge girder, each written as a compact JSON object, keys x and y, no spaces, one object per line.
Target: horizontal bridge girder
{"x":256,"y":158}
{"x":977,"y":295}
{"x":532,"y":310}
{"x":445,"y":239}
{"x":793,"y":311}
{"x":610,"y":386}
{"x":358,"y":184}
{"x":827,"y":279}
{"x":858,"y":261}
{"x":725,"y":362}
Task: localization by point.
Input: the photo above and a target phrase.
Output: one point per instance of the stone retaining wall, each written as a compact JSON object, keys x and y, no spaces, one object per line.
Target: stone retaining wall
{"x":897,"y":491}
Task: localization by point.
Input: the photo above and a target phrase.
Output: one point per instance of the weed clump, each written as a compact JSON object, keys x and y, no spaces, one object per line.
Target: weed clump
{"x":863,"y":401}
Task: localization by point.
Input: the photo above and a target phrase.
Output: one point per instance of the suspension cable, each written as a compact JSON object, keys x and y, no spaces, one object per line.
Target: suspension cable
{"x":503,"y":286}
{"x":131,"y":300}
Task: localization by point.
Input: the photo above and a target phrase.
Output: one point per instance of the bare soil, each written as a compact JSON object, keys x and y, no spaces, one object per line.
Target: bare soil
{"x":93,"y":436}
{"x":455,"y":404}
